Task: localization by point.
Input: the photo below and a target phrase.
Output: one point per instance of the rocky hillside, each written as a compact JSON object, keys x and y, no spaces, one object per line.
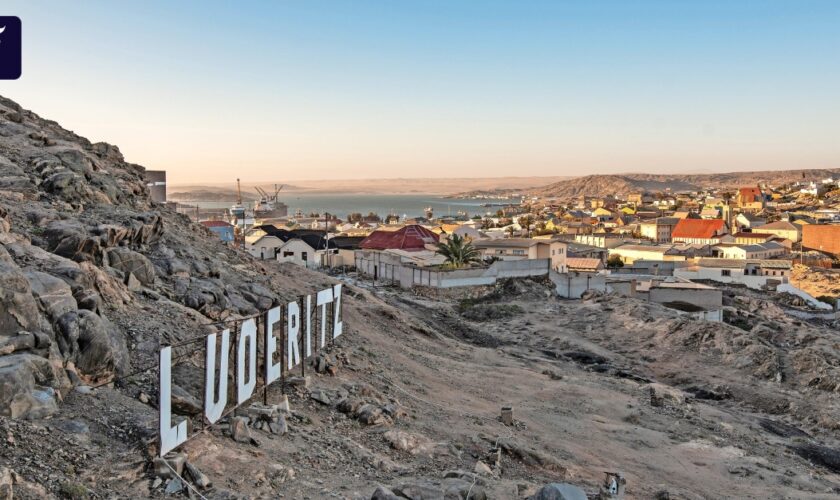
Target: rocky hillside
{"x":94,"y":277}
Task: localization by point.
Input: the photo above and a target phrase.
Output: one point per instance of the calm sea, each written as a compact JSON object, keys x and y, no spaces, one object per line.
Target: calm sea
{"x":411,"y":205}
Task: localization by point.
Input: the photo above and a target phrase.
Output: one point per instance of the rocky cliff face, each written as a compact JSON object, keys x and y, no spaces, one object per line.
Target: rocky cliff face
{"x":80,"y":241}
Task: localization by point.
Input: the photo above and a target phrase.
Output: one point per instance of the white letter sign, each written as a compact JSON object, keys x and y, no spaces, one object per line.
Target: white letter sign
{"x":338,"y":326}
{"x":272,"y":370}
{"x":292,"y":330}
{"x":213,"y":407}
{"x":248,"y":333}
{"x":170,"y":437}
{"x":323,"y":298}
{"x":300,"y":344}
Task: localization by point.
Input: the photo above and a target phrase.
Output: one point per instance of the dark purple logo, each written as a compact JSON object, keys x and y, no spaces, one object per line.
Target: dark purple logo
{"x":10,"y":48}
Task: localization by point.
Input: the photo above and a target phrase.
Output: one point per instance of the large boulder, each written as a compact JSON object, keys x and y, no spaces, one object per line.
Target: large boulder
{"x":204,"y":295}
{"x":5,"y":223}
{"x":75,"y":160}
{"x":423,"y":489}
{"x":70,"y":239}
{"x":559,"y":491}
{"x":18,"y":309}
{"x":54,"y":295}
{"x":96,"y":348}
{"x":13,"y":178}
{"x":25,"y":386}
{"x":261,"y":297}
{"x":67,"y":185}
{"x":129,"y":261}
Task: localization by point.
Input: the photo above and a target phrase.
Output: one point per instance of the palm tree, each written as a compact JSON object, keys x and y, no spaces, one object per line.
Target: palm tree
{"x":458,"y":251}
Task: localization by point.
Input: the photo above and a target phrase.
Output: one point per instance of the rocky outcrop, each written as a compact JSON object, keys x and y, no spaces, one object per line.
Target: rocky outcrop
{"x":18,"y":309}
{"x":54,"y":295}
{"x":82,"y":242}
{"x":559,"y":491}
{"x":96,"y":348}
{"x":26,"y":386}
{"x":131,"y":262}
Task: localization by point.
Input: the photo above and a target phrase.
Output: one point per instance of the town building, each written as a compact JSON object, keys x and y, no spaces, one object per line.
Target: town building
{"x":156,"y":182}
{"x":822,"y":238}
{"x":583,"y":265}
{"x":782,"y":229}
{"x":748,"y":220}
{"x":526,"y":248}
{"x":750,"y":199}
{"x":631,"y":253}
{"x":224,"y":230}
{"x":756,"y":274}
{"x":658,"y":230}
{"x":601,"y":240}
{"x":704,"y":232}
{"x":411,"y":237}
{"x":695,"y":299}
{"x":318,"y":249}
{"x":766,"y":250}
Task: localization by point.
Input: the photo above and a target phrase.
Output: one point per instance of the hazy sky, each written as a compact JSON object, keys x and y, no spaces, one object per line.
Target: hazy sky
{"x":306,"y":89}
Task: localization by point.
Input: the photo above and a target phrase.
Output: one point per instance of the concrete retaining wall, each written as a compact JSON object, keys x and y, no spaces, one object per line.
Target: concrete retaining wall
{"x":573,"y":285}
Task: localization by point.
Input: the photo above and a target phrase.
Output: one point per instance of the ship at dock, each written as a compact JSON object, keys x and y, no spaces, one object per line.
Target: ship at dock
{"x":269,"y":205}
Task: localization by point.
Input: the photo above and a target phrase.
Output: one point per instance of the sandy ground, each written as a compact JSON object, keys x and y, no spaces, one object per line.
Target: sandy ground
{"x":576,"y":373}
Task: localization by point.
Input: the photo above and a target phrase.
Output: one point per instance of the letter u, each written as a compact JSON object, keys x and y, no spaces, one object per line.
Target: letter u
{"x":213,"y":406}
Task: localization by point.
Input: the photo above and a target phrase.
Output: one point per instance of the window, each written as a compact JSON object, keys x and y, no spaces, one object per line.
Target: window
{"x":303,"y":256}
{"x":725,"y":272}
{"x":518,"y":251}
{"x":288,"y":254}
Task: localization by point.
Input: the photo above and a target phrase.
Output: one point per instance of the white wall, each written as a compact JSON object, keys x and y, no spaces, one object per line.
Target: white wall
{"x":389,"y":269}
{"x":293,"y":251}
{"x":573,"y":285}
{"x":264,"y":247}
{"x":736,"y":276}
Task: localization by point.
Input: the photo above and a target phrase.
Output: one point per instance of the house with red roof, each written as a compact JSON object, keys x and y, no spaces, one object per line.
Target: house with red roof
{"x":750,"y":199}
{"x":699,"y":231}
{"x":410,"y":238}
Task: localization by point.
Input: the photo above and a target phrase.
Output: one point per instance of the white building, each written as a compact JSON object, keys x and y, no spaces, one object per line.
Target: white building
{"x":752,"y":273}
{"x":526,"y":249}
{"x":766,"y":250}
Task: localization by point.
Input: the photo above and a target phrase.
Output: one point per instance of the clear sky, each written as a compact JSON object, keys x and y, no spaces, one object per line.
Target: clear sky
{"x":310,"y":89}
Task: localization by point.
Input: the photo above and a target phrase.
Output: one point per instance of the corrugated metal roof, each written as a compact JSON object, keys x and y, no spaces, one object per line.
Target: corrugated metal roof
{"x":583,"y":263}
{"x":508,"y":243}
{"x":697,"y":228}
{"x":741,"y":263}
{"x":215,"y":223}
{"x":406,"y":238}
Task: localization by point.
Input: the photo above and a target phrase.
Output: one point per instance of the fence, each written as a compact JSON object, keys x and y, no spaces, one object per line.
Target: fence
{"x":388,"y":269}
{"x":410,"y":276}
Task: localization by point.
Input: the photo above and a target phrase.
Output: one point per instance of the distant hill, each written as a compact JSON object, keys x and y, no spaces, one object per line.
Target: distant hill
{"x":389,"y":186}
{"x":601,"y":185}
{"x":210,"y":194}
